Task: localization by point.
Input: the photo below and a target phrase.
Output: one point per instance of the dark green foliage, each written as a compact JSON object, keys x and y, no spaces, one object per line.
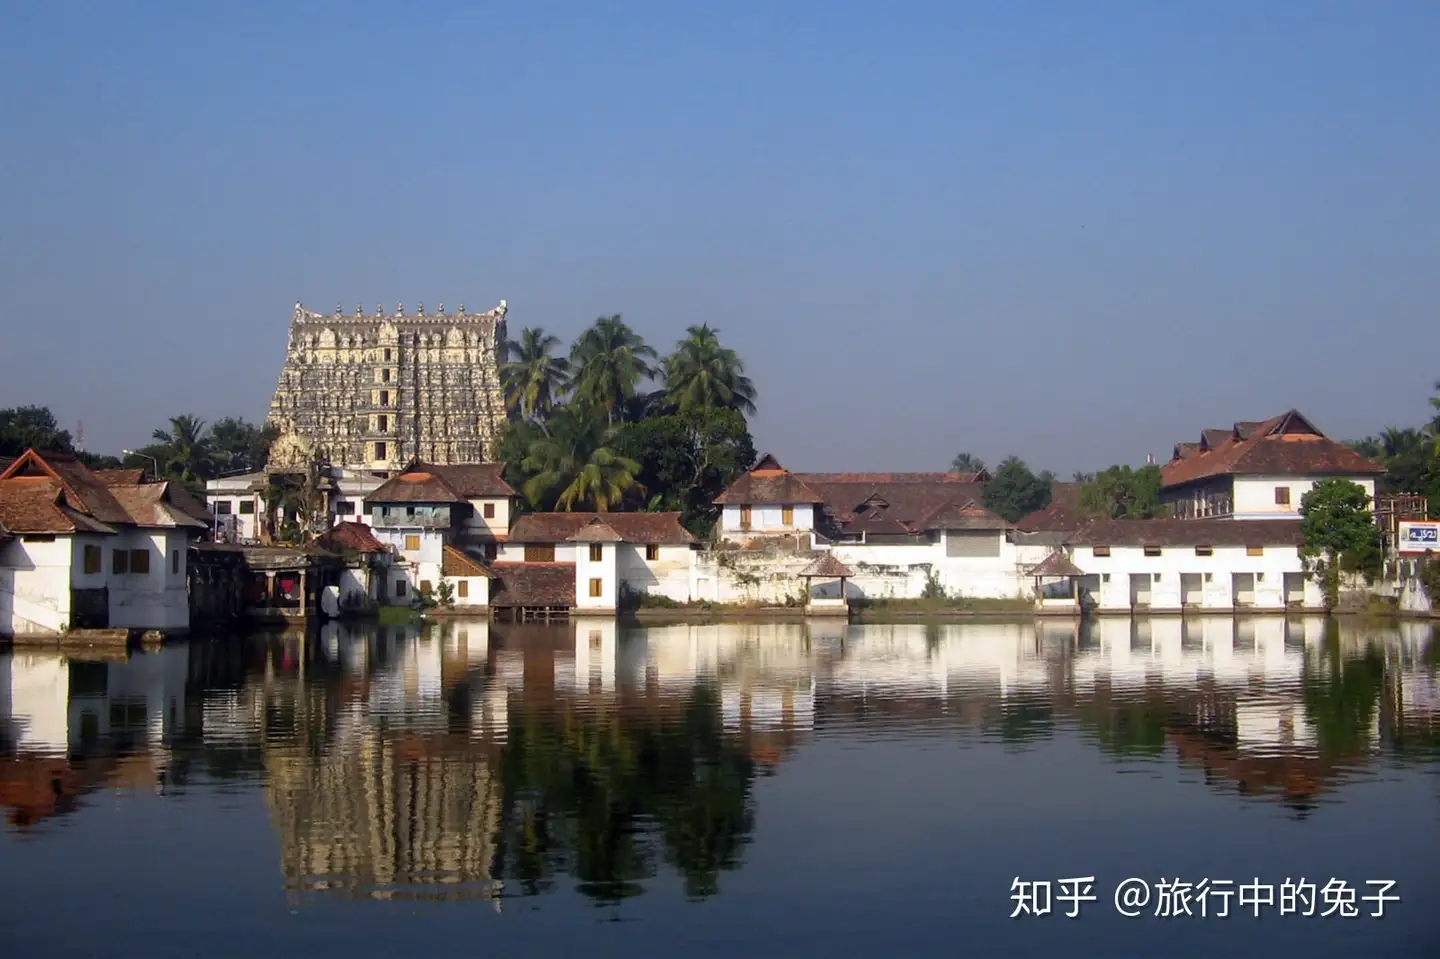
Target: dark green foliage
{"x":571,"y":464}
{"x":32,"y":427}
{"x":967,"y":463}
{"x":1014,"y":491}
{"x":1339,"y":534}
{"x":1121,"y":492}
{"x":239,"y":446}
{"x":702,"y":374}
{"x":687,"y":459}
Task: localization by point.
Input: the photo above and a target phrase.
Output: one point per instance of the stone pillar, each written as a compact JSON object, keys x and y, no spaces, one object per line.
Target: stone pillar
{"x":304,"y":592}
{"x":270,"y":590}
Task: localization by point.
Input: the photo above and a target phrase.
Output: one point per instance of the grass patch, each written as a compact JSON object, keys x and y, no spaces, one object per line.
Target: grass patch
{"x":396,"y":615}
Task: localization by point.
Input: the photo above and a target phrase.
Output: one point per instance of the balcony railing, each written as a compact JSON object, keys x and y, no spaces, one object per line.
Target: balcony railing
{"x":404,"y":521}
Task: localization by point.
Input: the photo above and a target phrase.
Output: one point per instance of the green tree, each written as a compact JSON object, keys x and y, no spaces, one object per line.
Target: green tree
{"x":239,"y":446}
{"x":967,"y":463}
{"x":1082,"y":477}
{"x":534,"y":381}
{"x":687,"y":459}
{"x":1014,"y":491}
{"x":185,"y":454}
{"x":1409,"y":457}
{"x":702,"y":374}
{"x":32,"y":427}
{"x":572,"y":466}
{"x":609,"y":362}
{"x":1121,"y":492}
{"x":1339,"y":534}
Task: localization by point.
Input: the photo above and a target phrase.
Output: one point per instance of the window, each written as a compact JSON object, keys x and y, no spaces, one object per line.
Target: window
{"x":382,"y":423}
{"x":1100,"y":550}
{"x":384,"y":397}
{"x":385,"y":376}
{"x":1204,"y":551}
{"x":1152,"y":551}
{"x":380,"y":451}
{"x":412,"y":543}
{"x":175,"y":562}
{"x":787,"y":516}
{"x":1157,"y":577}
{"x":541,"y":553}
{"x":1254,"y":551}
{"x":40,"y":538}
{"x":462,"y":589}
{"x":247,"y":507}
{"x":409,"y":511}
{"x":744,"y":517}
{"x":1104,"y":577}
{"x":387,"y":356}
{"x":597,"y":552}
{"x":652,"y":552}
{"x":399,"y":588}
{"x":488,"y":511}
{"x":1209,"y":577}
{"x":92,"y":560}
{"x":595,"y":588}
{"x":140,"y":561}
{"x":119,"y":561}
{"x":344,"y":507}
{"x":222,"y":507}
{"x":425,"y":587}
{"x":1282,"y":496}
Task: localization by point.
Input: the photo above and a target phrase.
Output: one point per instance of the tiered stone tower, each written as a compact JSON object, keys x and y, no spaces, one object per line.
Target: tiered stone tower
{"x":373,"y":391}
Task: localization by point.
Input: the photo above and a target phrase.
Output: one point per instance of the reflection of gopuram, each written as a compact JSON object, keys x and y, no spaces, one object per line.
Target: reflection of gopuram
{"x":371,"y":817}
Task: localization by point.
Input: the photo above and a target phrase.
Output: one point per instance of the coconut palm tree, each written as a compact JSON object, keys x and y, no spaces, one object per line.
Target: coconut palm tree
{"x":185,"y":451}
{"x":533,"y":379}
{"x":702,"y":374}
{"x":572,"y":465}
{"x":608,"y":364}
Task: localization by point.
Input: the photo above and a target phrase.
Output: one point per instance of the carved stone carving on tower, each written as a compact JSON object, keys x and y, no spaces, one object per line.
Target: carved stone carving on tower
{"x":373,"y":392}
{"x":292,"y":453}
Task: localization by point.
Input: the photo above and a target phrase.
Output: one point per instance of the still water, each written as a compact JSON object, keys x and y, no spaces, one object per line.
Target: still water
{"x":737,"y":789}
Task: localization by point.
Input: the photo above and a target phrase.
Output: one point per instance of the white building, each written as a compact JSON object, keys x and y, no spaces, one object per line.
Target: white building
{"x":1204,"y":565}
{"x":1258,"y":470}
{"x":237,"y":502}
{"x":82,"y":548}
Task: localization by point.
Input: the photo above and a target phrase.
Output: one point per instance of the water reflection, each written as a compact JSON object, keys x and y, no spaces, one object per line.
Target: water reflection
{"x":473,"y":760}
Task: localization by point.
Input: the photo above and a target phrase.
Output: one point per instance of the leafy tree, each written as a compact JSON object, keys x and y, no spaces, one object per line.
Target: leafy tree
{"x":1080,"y":477}
{"x":967,"y":463}
{"x":702,"y":374}
{"x":239,"y":446}
{"x":1339,"y":533}
{"x":572,"y":466}
{"x":32,"y":427}
{"x":1014,"y":491}
{"x":1409,"y":457}
{"x":187,"y":455}
{"x":688,"y":458}
{"x":1121,"y":492}
{"x":533,"y":379}
{"x":609,"y":362}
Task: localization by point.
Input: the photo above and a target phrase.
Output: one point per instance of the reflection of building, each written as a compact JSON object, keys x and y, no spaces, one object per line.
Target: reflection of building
{"x":385,"y":817}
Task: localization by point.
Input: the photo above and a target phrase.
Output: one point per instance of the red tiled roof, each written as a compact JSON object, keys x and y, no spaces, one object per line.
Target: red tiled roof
{"x":1056,"y":564}
{"x":150,"y":505}
{"x":455,"y":563}
{"x":470,"y":480}
{"x":1285,"y":445}
{"x":768,"y":489}
{"x":419,"y":486}
{"x":1189,"y":532}
{"x":120,"y":477}
{"x":597,"y":531}
{"x":355,"y":537}
{"x":533,"y":584}
{"x":39,"y":504}
{"x":969,"y":516}
{"x":662,"y":529}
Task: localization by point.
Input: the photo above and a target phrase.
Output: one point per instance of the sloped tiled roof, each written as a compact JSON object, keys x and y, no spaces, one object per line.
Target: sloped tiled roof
{"x":455,"y":563}
{"x":149,"y":505}
{"x":1189,"y":532}
{"x":419,"y":486}
{"x":120,"y":477}
{"x":597,"y":531}
{"x":355,"y":537}
{"x":470,"y":480}
{"x":768,"y":489}
{"x":969,"y":516}
{"x":1056,"y":564}
{"x":662,"y":529}
{"x":827,"y":567}
{"x":41,"y":505}
{"x":532,"y":584}
{"x":1285,"y":445}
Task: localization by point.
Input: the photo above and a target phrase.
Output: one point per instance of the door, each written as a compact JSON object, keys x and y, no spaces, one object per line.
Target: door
{"x":1140,"y":589}
{"x":1242,"y":587}
{"x":1192,"y":589}
{"x":1294,"y":589}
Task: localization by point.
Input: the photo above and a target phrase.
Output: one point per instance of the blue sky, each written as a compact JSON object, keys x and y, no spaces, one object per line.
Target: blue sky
{"x":1075,"y":232}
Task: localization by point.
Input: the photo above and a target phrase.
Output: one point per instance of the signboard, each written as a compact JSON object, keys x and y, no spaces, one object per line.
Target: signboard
{"x":1418,"y":536}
